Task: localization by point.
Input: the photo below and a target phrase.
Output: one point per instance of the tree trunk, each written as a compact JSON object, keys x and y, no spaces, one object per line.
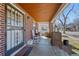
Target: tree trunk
{"x":64,"y":27}
{"x":64,"y":30}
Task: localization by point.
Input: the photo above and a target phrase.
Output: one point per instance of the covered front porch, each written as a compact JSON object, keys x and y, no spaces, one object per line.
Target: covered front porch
{"x":42,"y":24}
{"x":39,"y":29}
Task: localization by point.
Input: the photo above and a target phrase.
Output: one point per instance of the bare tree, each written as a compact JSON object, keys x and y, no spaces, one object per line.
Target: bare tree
{"x":64,"y":20}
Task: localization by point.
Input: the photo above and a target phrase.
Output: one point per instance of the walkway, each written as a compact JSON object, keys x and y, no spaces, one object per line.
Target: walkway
{"x":43,"y":48}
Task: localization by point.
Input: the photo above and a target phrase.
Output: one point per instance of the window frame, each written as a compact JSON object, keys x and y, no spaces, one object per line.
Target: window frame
{"x":19,"y":45}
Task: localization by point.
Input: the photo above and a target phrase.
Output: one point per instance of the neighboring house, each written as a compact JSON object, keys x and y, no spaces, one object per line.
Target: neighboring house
{"x":72,"y":27}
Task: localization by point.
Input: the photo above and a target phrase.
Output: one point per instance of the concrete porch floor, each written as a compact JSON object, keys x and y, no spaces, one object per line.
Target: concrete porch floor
{"x":44,"y":48}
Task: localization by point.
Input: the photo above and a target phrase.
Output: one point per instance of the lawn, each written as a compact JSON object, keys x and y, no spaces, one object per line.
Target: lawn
{"x":74,"y":44}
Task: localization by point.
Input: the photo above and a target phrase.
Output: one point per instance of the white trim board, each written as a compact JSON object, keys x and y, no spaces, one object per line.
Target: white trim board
{"x":17,"y":8}
{"x":13,"y":54}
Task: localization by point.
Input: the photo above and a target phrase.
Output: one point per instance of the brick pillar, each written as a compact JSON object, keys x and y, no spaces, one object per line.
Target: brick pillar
{"x":2,"y":29}
{"x":28,"y":28}
{"x":36,"y":26}
{"x":50,"y":27}
{"x":57,"y":39}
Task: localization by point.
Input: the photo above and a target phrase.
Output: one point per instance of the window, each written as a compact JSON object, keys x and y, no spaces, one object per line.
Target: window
{"x":14,"y":29}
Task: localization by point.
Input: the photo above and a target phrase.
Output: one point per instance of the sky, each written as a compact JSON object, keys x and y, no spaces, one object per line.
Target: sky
{"x":73,"y":14}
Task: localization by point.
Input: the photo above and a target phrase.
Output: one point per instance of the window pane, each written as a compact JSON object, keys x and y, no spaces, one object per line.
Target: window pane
{"x":8,"y":17}
{"x":16,"y":37}
{"x":21,"y":35}
{"x":21,"y":20}
{"x":12,"y":17}
{"x":8,"y":40}
{"x":16,"y":18}
{"x":13,"y":38}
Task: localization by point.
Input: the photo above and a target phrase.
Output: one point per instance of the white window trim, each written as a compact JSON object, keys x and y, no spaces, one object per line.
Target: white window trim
{"x":14,"y":53}
{"x":17,"y":8}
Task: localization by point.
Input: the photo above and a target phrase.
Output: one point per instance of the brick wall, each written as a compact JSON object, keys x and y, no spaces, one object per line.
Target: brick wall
{"x":2,"y":29}
{"x":28,"y":22}
{"x":28,"y":28}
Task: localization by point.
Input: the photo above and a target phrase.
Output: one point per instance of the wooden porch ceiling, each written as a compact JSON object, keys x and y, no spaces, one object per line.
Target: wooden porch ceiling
{"x":41,"y":11}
